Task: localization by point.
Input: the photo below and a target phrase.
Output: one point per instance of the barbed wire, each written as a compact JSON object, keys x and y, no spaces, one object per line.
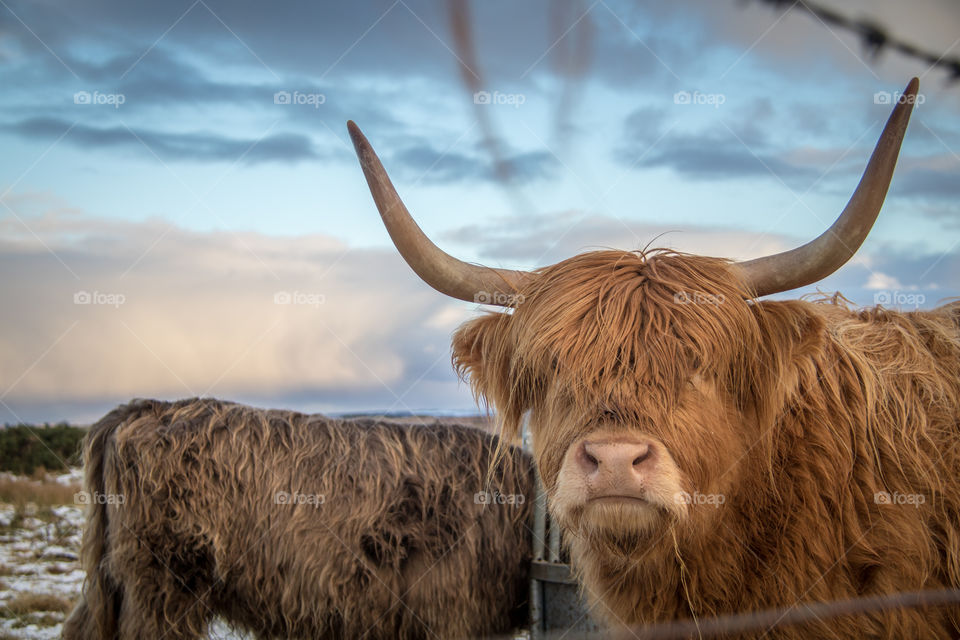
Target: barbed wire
{"x":572,"y":60}
{"x":874,"y":37}
{"x":461,"y":26}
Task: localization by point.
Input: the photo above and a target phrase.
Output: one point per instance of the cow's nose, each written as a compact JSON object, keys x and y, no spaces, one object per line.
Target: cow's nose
{"x":615,"y":457}
{"x":615,"y":468}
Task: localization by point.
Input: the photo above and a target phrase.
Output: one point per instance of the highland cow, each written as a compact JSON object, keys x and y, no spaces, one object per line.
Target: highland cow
{"x":707,"y":453}
{"x":297,"y":526}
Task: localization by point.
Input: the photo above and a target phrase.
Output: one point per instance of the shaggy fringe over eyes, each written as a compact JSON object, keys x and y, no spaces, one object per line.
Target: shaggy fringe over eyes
{"x":604,"y":324}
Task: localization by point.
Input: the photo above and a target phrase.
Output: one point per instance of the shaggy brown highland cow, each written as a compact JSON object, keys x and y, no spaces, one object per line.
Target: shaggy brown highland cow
{"x":707,"y":453}
{"x":297,"y":526}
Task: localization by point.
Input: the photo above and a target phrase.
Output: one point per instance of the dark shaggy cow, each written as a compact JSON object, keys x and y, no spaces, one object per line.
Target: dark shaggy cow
{"x":297,"y":526}
{"x":708,"y":453}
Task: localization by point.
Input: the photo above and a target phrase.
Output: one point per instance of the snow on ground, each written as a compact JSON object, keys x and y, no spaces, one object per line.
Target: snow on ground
{"x":38,"y":558}
{"x":39,"y":564}
{"x":73,"y":478}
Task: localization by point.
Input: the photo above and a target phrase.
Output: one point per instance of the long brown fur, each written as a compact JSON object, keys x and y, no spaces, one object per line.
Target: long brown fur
{"x":388,"y":539}
{"x":799,"y":413}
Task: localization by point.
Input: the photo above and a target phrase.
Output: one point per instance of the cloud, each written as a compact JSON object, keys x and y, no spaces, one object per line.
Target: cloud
{"x":103,"y":312}
{"x":423,"y":162}
{"x":747,"y":138}
{"x":159,"y":79}
{"x":176,"y":84}
{"x":718,"y":153}
{"x":713,"y":158}
{"x":548,"y":238}
{"x":930,"y":183}
{"x":279,"y":147}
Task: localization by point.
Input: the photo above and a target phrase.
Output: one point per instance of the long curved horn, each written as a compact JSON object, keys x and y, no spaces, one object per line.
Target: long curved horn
{"x":443,"y":272}
{"x":828,"y":252}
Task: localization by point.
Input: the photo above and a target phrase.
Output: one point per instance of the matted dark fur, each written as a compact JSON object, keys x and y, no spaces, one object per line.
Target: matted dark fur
{"x":832,"y":434}
{"x":376,"y":533}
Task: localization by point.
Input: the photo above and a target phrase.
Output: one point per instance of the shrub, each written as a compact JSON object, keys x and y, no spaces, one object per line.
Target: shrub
{"x":25,"y":448}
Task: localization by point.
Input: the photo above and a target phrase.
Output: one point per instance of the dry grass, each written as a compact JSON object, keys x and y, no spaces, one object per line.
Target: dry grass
{"x":5,"y":570}
{"x":43,"y":619}
{"x":35,"y":602}
{"x":21,"y":491}
{"x":58,"y":569}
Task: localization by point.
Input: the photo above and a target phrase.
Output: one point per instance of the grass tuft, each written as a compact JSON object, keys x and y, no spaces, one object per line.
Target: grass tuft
{"x":20,"y":491}
{"x":34,"y":602}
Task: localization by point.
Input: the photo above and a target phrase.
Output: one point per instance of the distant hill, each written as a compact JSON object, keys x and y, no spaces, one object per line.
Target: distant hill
{"x":407,"y":417}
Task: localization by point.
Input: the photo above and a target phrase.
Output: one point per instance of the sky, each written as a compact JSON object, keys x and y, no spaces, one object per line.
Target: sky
{"x":182,"y":214}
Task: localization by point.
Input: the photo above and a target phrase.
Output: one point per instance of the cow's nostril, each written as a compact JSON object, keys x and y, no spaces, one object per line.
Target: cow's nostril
{"x":643,"y":456}
{"x":588,"y":461}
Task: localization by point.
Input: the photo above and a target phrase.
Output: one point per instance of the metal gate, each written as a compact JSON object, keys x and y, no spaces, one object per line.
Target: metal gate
{"x":555,"y":597}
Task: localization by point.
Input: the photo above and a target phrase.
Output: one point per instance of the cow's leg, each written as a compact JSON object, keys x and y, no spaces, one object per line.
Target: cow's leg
{"x":167,"y":594}
{"x":158,"y":607}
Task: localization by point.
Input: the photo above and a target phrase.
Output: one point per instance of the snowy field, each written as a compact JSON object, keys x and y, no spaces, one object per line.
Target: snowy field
{"x":40,"y":576}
